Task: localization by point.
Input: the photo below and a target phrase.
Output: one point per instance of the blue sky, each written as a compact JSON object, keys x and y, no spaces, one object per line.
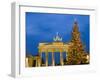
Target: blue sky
{"x":42,"y":27}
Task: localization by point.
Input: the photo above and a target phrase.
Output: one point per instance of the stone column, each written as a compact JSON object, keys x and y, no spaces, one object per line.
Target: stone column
{"x":61,"y":59}
{"x":26,"y":62}
{"x":53,"y":61}
{"x":46,"y":58}
{"x":66,"y":55}
{"x":36,"y":63}
{"x":40,"y":60}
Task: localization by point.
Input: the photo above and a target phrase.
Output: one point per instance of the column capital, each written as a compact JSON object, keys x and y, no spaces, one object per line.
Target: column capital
{"x":53,"y":50}
{"x":61,"y":50}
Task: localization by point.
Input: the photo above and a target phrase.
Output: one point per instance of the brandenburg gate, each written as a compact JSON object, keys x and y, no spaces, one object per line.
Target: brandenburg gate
{"x":56,"y":46}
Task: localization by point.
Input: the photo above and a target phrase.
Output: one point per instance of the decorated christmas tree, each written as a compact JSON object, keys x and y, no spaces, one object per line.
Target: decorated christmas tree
{"x":76,"y":54}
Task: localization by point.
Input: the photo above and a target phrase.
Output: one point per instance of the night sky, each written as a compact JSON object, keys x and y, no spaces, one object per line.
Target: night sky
{"x":42,"y":27}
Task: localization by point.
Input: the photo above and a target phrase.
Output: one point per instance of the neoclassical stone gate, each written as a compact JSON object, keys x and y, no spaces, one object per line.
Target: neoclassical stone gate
{"x":53,"y":47}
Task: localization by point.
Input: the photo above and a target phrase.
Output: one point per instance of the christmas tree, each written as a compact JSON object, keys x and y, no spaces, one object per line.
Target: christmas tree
{"x":76,"y":53}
